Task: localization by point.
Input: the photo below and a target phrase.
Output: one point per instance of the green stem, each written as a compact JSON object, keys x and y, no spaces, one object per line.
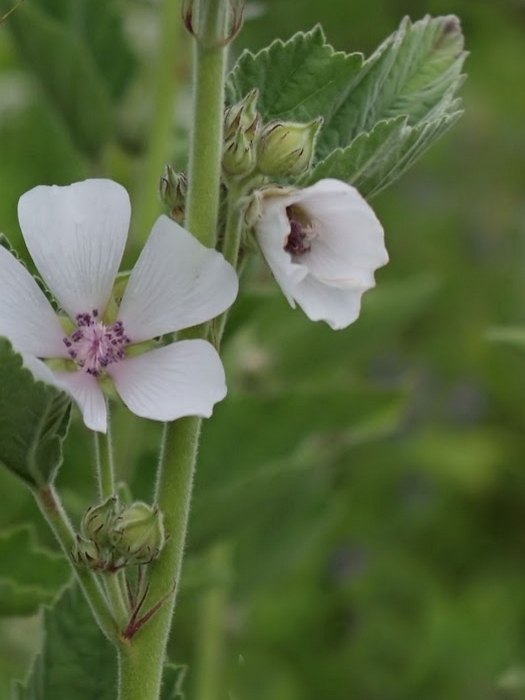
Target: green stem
{"x":204,"y":171}
{"x":210,"y":632}
{"x":230,"y":248}
{"x":114,"y":582}
{"x":105,"y":463}
{"x":163,"y":99}
{"x":141,"y":659}
{"x":49,"y":503}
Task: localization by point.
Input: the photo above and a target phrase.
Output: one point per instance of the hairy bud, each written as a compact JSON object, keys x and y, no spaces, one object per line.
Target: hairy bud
{"x":287,"y":148}
{"x":138,"y":533}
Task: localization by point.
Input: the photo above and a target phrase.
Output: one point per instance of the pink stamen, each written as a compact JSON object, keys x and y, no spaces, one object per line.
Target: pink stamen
{"x":93,"y":345}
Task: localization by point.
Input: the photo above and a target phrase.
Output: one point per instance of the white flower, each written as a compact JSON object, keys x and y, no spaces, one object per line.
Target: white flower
{"x":322,"y":244}
{"x":76,"y":237}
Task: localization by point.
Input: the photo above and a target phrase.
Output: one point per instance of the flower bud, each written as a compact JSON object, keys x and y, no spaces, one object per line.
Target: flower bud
{"x":97,"y":522}
{"x":243,"y":116}
{"x":238,"y":156}
{"x":138,"y":533}
{"x":242,"y":125}
{"x":86,"y":553}
{"x":173,"y":188}
{"x":287,"y":148}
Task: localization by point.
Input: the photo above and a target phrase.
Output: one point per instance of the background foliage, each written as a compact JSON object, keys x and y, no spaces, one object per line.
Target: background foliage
{"x":358,"y":517}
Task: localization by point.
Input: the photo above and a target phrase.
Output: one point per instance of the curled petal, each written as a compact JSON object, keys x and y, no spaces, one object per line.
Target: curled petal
{"x":176,"y":283}
{"x":26,"y":317}
{"x":181,"y":379}
{"x":76,"y":236}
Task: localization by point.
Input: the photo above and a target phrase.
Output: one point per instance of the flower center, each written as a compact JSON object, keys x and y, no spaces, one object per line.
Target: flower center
{"x":93,"y":345}
{"x":299,"y":239}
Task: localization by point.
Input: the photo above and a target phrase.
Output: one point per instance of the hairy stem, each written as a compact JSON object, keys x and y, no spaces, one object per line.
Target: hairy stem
{"x":51,"y":507}
{"x":141,"y":658}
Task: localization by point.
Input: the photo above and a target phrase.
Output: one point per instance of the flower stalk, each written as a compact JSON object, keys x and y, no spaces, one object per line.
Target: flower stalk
{"x":141,"y":658}
{"x":51,"y":508}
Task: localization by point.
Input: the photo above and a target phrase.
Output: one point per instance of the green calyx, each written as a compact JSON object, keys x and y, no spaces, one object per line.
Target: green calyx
{"x":173,"y":188}
{"x":287,"y":148}
{"x":242,"y":125}
{"x":138,"y":533}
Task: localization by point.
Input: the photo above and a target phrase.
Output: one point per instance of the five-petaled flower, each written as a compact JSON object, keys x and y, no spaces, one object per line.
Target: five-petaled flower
{"x":76,"y":236}
{"x":323,"y":244}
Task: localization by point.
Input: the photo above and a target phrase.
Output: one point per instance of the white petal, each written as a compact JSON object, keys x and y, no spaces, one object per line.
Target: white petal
{"x":181,"y":379}
{"x":76,"y":236}
{"x":272,"y":230}
{"x":41,"y":371}
{"x":176,"y":283}
{"x":82,"y":387}
{"x":350,"y":243}
{"x":88,"y":396}
{"x":26,"y":317}
{"x":320,"y":302}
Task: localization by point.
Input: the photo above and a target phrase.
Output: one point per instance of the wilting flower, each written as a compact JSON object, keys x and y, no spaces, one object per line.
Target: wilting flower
{"x":76,"y":237}
{"x":323,"y":244}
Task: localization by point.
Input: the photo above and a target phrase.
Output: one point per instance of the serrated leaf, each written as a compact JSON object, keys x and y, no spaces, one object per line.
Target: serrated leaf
{"x":379,"y":115}
{"x":297,"y":80}
{"x":34,"y":418}
{"x":64,"y":66}
{"x":30,"y":575}
{"x":374,"y":160}
{"x":77,"y":661}
{"x":414,"y":73}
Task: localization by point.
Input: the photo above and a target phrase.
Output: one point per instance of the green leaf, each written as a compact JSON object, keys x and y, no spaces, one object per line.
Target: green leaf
{"x":67,"y":71}
{"x":34,"y":418}
{"x":379,"y":115}
{"x":374,"y":160}
{"x":77,"y":661}
{"x":297,"y":80}
{"x":30,"y":576}
{"x":414,"y":73}
{"x":172,"y":681}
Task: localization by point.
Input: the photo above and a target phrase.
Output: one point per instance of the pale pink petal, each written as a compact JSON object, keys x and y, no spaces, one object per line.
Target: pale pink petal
{"x":26,"y":317}
{"x":76,"y":236}
{"x":320,"y":302}
{"x":86,"y":392}
{"x":182,"y":379}
{"x":176,"y":283}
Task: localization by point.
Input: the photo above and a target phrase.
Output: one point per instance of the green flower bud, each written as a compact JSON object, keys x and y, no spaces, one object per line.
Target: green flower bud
{"x":242,"y":117}
{"x":287,"y":148}
{"x":238,"y":156}
{"x":173,"y":188}
{"x":242,"y":125}
{"x":138,"y":533}
{"x":97,"y":522}
{"x":86,"y":553}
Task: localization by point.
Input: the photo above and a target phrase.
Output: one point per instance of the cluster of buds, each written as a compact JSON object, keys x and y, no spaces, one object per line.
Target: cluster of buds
{"x":276,"y":149}
{"x":113,"y":536}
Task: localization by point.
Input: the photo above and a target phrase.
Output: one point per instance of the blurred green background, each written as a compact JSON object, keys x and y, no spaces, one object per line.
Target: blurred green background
{"x":358,"y":528}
